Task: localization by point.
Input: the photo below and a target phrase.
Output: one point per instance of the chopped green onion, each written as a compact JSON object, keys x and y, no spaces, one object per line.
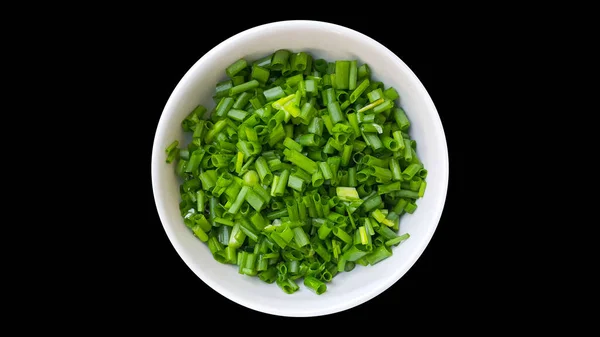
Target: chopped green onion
{"x":302,"y":170}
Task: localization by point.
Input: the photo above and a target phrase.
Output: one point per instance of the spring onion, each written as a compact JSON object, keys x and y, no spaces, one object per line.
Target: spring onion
{"x":303,"y":169}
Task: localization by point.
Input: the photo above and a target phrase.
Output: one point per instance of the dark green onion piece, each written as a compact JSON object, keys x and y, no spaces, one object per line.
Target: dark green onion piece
{"x":260,"y":74}
{"x":236,"y":67}
{"x":299,"y":61}
{"x":379,"y":254}
{"x":243,"y":87}
{"x":280,"y":59}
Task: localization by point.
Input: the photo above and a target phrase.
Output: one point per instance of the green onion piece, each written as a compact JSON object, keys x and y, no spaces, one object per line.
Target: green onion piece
{"x":237,"y":80}
{"x":280,"y":59}
{"x":415,"y":184}
{"x":400,"y":205}
{"x":371,"y":105}
{"x":394,"y":166}
{"x":264,"y":61}
{"x":235,"y":207}
{"x":397,"y":135}
{"x":326,"y":170}
{"x":410,"y":207}
{"x":317,"y":179}
{"x":260,"y":74}
{"x":300,"y":173}
{"x":246,"y":228}
{"x":397,"y":240}
{"x":390,"y":143}
{"x":320,"y":65}
{"x":222,"y":88}
{"x":364,"y":71}
{"x":173,"y":154}
{"x":401,"y":119}
{"x":242,"y":101}
{"x":237,"y":236}
{"x":288,"y":286}
{"x":375,"y":95}
{"x":353,"y":254}
{"x":243,"y":87}
{"x":372,"y":140}
{"x":342,"y":74}
{"x":217,"y":128}
{"x":236,"y":67}
{"x":335,"y":112}
{"x":301,"y":161}
{"x":342,"y":234}
{"x":391,"y":94}
{"x":266,"y":177}
{"x":200,"y":234}
{"x":353,"y":120}
{"x":388,"y":188}
{"x":421,"y":192}
{"x":347,"y":193}
{"x":296,"y":183}
{"x":292,"y":209}
{"x":372,"y":202}
{"x":328,"y":96}
{"x":309,"y":139}
{"x":407,"y":150}
{"x":410,"y":171}
{"x":254,"y":200}
{"x":380,"y":218}
{"x":269,"y":275}
{"x":353,"y":75}
{"x":324,"y":230}
{"x":292,"y":145}
{"x":346,"y":155}
{"x":359,"y":90}
{"x":214,"y":245}
{"x":300,"y":236}
{"x":379,"y":254}
{"x":315,"y":285}
{"x":281,"y":184}
{"x":407,"y":194}
{"x":321,"y":250}
{"x":385,"y":106}
{"x":352,"y":182}
{"x":274,"y":93}
{"x":277,"y":135}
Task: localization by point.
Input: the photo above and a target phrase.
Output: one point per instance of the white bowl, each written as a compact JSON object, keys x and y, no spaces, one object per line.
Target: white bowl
{"x":331,"y":42}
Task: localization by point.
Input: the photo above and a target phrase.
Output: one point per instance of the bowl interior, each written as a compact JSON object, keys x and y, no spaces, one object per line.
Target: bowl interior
{"x":330,"y":42}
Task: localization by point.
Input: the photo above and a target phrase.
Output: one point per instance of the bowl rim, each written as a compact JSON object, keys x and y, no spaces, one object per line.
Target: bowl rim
{"x":370,"y":293}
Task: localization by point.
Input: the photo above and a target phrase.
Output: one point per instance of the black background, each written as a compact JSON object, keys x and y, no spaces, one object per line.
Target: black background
{"x":145,"y":281}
